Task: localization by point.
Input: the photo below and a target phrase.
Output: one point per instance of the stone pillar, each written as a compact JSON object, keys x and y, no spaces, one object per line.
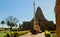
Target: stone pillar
{"x":57,"y":13}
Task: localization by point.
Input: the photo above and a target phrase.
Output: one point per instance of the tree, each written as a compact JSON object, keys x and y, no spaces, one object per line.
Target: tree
{"x":2,"y":22}
{"x":11,"y":21}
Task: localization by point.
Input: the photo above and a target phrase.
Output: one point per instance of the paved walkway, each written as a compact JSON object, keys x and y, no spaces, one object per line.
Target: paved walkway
{"x":37,"y":35}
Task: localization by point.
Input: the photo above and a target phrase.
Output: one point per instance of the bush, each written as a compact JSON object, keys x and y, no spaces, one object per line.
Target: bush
{"x":14,"y":34}
{"x":47,"y":35}
{"x":47,"y":32}
{"x":22,"y":33}
{"x":50,"y":33}
{"x":10,"y":34}
{"x":7,"y":35}
{"x":53,"y":35}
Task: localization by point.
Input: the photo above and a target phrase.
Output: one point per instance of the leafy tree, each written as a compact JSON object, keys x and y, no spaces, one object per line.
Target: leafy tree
{"x":11,"y":21}
{"x":2,"y":22}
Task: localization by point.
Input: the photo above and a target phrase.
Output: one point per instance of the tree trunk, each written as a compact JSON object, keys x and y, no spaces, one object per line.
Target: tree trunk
{"x":57,"y":13}
{"x":10,"y":28}
{"x":2,"y":26}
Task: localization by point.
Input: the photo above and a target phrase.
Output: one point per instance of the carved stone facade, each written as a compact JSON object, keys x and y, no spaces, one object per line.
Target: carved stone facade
{"x":42,"y":23}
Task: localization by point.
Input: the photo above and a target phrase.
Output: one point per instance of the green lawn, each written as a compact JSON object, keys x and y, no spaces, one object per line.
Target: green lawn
{"x":2,"y":33}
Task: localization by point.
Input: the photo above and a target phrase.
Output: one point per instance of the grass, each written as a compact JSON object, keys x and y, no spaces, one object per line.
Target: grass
{"x":2,"y":33}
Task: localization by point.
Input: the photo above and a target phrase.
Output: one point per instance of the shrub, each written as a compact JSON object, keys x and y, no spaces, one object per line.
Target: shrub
{"x":18,"y":33}
{"x":22,"y":33}
{"x":53,"y":35}
{"x":50,"y":33}
{"x":7,"y":35}
{"x":47,"y":35}
{"x":10,"y":34}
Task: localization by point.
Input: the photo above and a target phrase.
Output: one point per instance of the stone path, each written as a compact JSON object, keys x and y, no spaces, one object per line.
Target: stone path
{"x":37,"y":35}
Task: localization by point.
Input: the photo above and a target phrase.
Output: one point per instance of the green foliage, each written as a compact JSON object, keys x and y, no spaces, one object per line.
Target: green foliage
{"x":2,"y":22}
{"x":18,"y":33}
{"x":47,"y":32}
{"x":2,"y":29}
{"x":11,"y":21}
{"x":53,"y":35}
{"x":22,"y":32}
{"x":50,"y":33}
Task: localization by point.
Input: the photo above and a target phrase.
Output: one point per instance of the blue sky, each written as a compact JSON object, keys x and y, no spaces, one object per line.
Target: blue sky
{"x":23,"y":9}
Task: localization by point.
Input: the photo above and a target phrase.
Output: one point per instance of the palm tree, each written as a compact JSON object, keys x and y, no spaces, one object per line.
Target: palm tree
{"x":11,"y":21}
{"x":2,"y":22}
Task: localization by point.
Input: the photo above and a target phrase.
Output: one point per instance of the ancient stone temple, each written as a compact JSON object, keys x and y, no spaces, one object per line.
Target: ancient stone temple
{"x":42,"y":23}
{"x":39,"y":17}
